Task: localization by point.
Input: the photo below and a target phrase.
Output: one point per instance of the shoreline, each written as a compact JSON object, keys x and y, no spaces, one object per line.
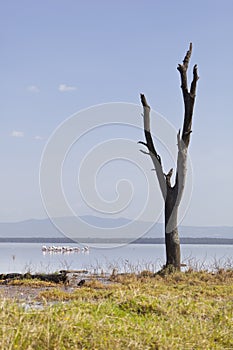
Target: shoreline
{"x":183,"y":240}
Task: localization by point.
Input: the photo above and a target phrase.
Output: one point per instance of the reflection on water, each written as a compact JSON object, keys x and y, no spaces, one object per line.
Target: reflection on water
{"x":23,"y":257}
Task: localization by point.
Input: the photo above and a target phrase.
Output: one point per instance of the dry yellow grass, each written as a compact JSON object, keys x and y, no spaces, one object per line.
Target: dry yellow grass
{"x":192,"y":310}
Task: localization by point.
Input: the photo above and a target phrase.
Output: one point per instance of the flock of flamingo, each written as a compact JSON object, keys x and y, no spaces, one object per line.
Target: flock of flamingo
{"x":64,"y":249}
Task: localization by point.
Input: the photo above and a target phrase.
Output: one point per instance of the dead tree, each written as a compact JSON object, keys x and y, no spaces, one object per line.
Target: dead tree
{"x":172,"y":194}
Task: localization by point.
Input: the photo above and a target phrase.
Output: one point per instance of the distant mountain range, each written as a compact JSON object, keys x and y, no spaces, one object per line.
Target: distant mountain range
{"x":45,"y":229}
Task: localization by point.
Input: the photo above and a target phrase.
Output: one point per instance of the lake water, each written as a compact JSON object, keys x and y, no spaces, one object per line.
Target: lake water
{"x":23,"y":257}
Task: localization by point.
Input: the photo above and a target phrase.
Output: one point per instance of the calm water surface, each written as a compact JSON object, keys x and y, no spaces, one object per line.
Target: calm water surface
{"x":23,"y":257}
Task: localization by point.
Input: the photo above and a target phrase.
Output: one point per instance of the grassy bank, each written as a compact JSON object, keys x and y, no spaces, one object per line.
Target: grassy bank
{"x":192,"y":310}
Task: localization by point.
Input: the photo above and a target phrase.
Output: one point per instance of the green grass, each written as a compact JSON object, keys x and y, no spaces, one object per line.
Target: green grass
{"x":192,"y":310}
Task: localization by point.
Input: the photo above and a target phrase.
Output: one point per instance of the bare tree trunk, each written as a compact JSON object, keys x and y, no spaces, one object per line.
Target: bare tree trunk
{"x":172,"y":195}
{"x":172,"y":240}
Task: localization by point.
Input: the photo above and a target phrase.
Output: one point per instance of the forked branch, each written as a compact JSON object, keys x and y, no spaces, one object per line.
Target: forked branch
{"x":156,"y":159}
{"x":188,"y":96}
{"x":183,"y":141}
{"x":172,"y":194}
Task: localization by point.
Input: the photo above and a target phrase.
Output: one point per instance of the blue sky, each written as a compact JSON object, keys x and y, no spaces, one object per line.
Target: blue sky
{"x":58,"y":57}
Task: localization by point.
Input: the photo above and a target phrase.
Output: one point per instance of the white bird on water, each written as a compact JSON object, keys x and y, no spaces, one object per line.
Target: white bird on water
{"x":63,"y":249}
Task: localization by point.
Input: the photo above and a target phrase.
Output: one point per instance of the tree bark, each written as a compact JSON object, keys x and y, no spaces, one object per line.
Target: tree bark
{"x":172,"y":195}
{"x":172,"y":240}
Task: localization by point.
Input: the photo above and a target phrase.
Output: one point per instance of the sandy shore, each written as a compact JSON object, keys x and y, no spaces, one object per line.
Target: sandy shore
{"x":22,"y":293}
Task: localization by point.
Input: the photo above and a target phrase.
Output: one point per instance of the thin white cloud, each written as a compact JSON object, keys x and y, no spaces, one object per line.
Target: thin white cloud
{"x":33,"y":88}
{"x":64,"y":88}
{"x":38,"y":137}
{"x":17,"y":133}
